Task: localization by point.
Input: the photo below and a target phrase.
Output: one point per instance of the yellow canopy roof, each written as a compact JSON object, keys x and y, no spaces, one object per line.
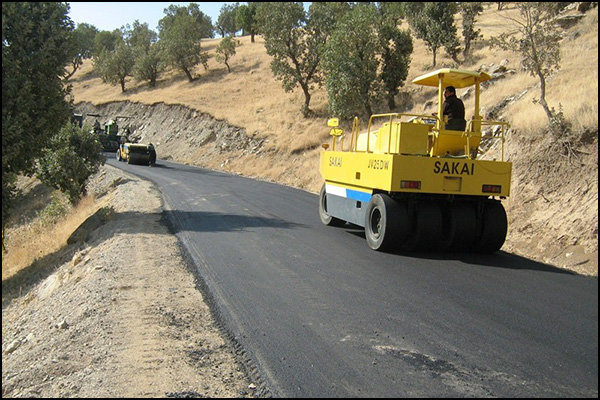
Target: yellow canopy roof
{"x":452,"y":77}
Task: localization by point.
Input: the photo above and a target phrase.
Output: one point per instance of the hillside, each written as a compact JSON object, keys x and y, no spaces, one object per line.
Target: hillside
{"x":553,"y":212}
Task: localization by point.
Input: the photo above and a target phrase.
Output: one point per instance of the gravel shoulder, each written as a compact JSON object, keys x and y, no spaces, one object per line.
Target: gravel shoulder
{"x":122,"y":316}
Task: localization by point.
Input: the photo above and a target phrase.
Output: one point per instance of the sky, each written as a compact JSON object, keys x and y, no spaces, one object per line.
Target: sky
{"x":108,"y":16}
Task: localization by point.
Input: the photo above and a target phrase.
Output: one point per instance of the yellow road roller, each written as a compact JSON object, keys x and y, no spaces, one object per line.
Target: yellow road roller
{"x":137,"y":153}
{"x":415,"y":185}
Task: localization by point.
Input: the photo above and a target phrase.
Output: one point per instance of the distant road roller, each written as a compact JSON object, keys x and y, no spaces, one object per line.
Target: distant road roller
{"x":414,"y":185}
{"x":137,"y":153}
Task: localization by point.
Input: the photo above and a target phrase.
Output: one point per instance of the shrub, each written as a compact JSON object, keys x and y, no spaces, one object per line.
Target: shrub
{"x":74,"y":154}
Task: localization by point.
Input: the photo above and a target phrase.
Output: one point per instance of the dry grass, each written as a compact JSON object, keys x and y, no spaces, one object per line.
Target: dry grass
{"x":574,"y":87}
{"x":250,"y":97}
{"x":39,"y":238}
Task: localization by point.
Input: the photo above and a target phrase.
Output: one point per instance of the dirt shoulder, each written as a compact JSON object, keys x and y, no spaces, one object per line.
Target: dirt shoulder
{"x":122,"y":317}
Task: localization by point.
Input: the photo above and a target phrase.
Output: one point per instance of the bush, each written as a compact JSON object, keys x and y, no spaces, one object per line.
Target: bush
{"x":226,"y":50}
{"x":57,"y":208}
{"x":74,"y":154}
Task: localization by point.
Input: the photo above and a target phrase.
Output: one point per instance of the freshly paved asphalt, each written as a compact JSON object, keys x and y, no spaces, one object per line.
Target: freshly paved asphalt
{"x":322,"y":315}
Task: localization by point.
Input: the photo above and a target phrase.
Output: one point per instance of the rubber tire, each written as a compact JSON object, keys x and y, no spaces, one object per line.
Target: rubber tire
{"x":128,"y":159}
{"x":427,"y":228}
{"x":494,"y":227}
{"x":385,"y":221}
{"x":119,"y":155}
{"x":323,"y":215}
{"x":460,"y":227}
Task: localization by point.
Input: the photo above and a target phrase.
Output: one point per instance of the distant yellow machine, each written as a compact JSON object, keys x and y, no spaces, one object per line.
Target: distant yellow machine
{"x":137,"y":153}
{"x":412,"y":184}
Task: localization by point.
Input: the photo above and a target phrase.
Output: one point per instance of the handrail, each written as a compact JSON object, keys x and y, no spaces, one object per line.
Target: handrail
{"x":391,"y":115}
{"x":468,"y":132}
{"x":354,"y":136}
{"x":505,"y":126}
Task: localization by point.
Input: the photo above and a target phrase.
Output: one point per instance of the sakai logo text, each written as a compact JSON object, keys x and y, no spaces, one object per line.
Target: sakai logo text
{"x":378,"y":164}
{"x":453,"y":168}
{"x":335,"y":161}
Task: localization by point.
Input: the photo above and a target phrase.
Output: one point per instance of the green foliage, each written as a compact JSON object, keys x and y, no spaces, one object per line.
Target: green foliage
{"x":58,"y":207}
{"x":538,"y":43}
{"x":469,"y":12}
{"x":227,"y":23}
{"x":114,"y":66}
{"x":202,"y":21}
{"x":180,"y":32}
{"x":350,"y":63}
{"x":296,"y":41}
{"x":106,"y":40}
{"x":367,"y":55}
{"x":149,"y":64}
{"x":147,"y":53}
{"x":433,"y":22}
{"x":283,"y":28}
{"x":226,"y":49}
{"x":82,"y":45}
{"x":559,"y":122}
{"x":73,"y":155}
{"x":246,"y":19}
{"x":35,"y":50}
{"x":392,"y":12}
{"x":323,"y":17}
{"x":8,"y":193}
{"x":139,"y":36}
{"x":396,"y":49}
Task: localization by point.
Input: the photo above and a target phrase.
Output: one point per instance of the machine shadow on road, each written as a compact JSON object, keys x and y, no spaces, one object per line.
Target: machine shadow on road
{"x":203,"y":221}
{"x":500,"y":259}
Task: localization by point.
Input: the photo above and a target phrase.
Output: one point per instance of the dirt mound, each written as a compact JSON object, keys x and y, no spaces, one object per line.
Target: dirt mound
{"x":553,"y":207}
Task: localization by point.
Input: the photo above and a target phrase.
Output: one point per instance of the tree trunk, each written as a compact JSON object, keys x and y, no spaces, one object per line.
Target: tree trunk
{"x":153,"y":77}
{"x":71,"y":73}
{"x":188,"y":74}
{"x":305,"y":109}
{"x":367,"y":105}
{"x":467,"y":47}
{"x":368,"y":108}
{"x":543,"y":97}
{"x":251,"y":37}
{"x":434,"y":56}
{"x":391,"y":102}
{"x":122,"y":80}
{"x":228,"y":69}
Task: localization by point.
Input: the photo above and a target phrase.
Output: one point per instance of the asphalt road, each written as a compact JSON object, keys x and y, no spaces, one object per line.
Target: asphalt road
{"x":322,"y":315}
